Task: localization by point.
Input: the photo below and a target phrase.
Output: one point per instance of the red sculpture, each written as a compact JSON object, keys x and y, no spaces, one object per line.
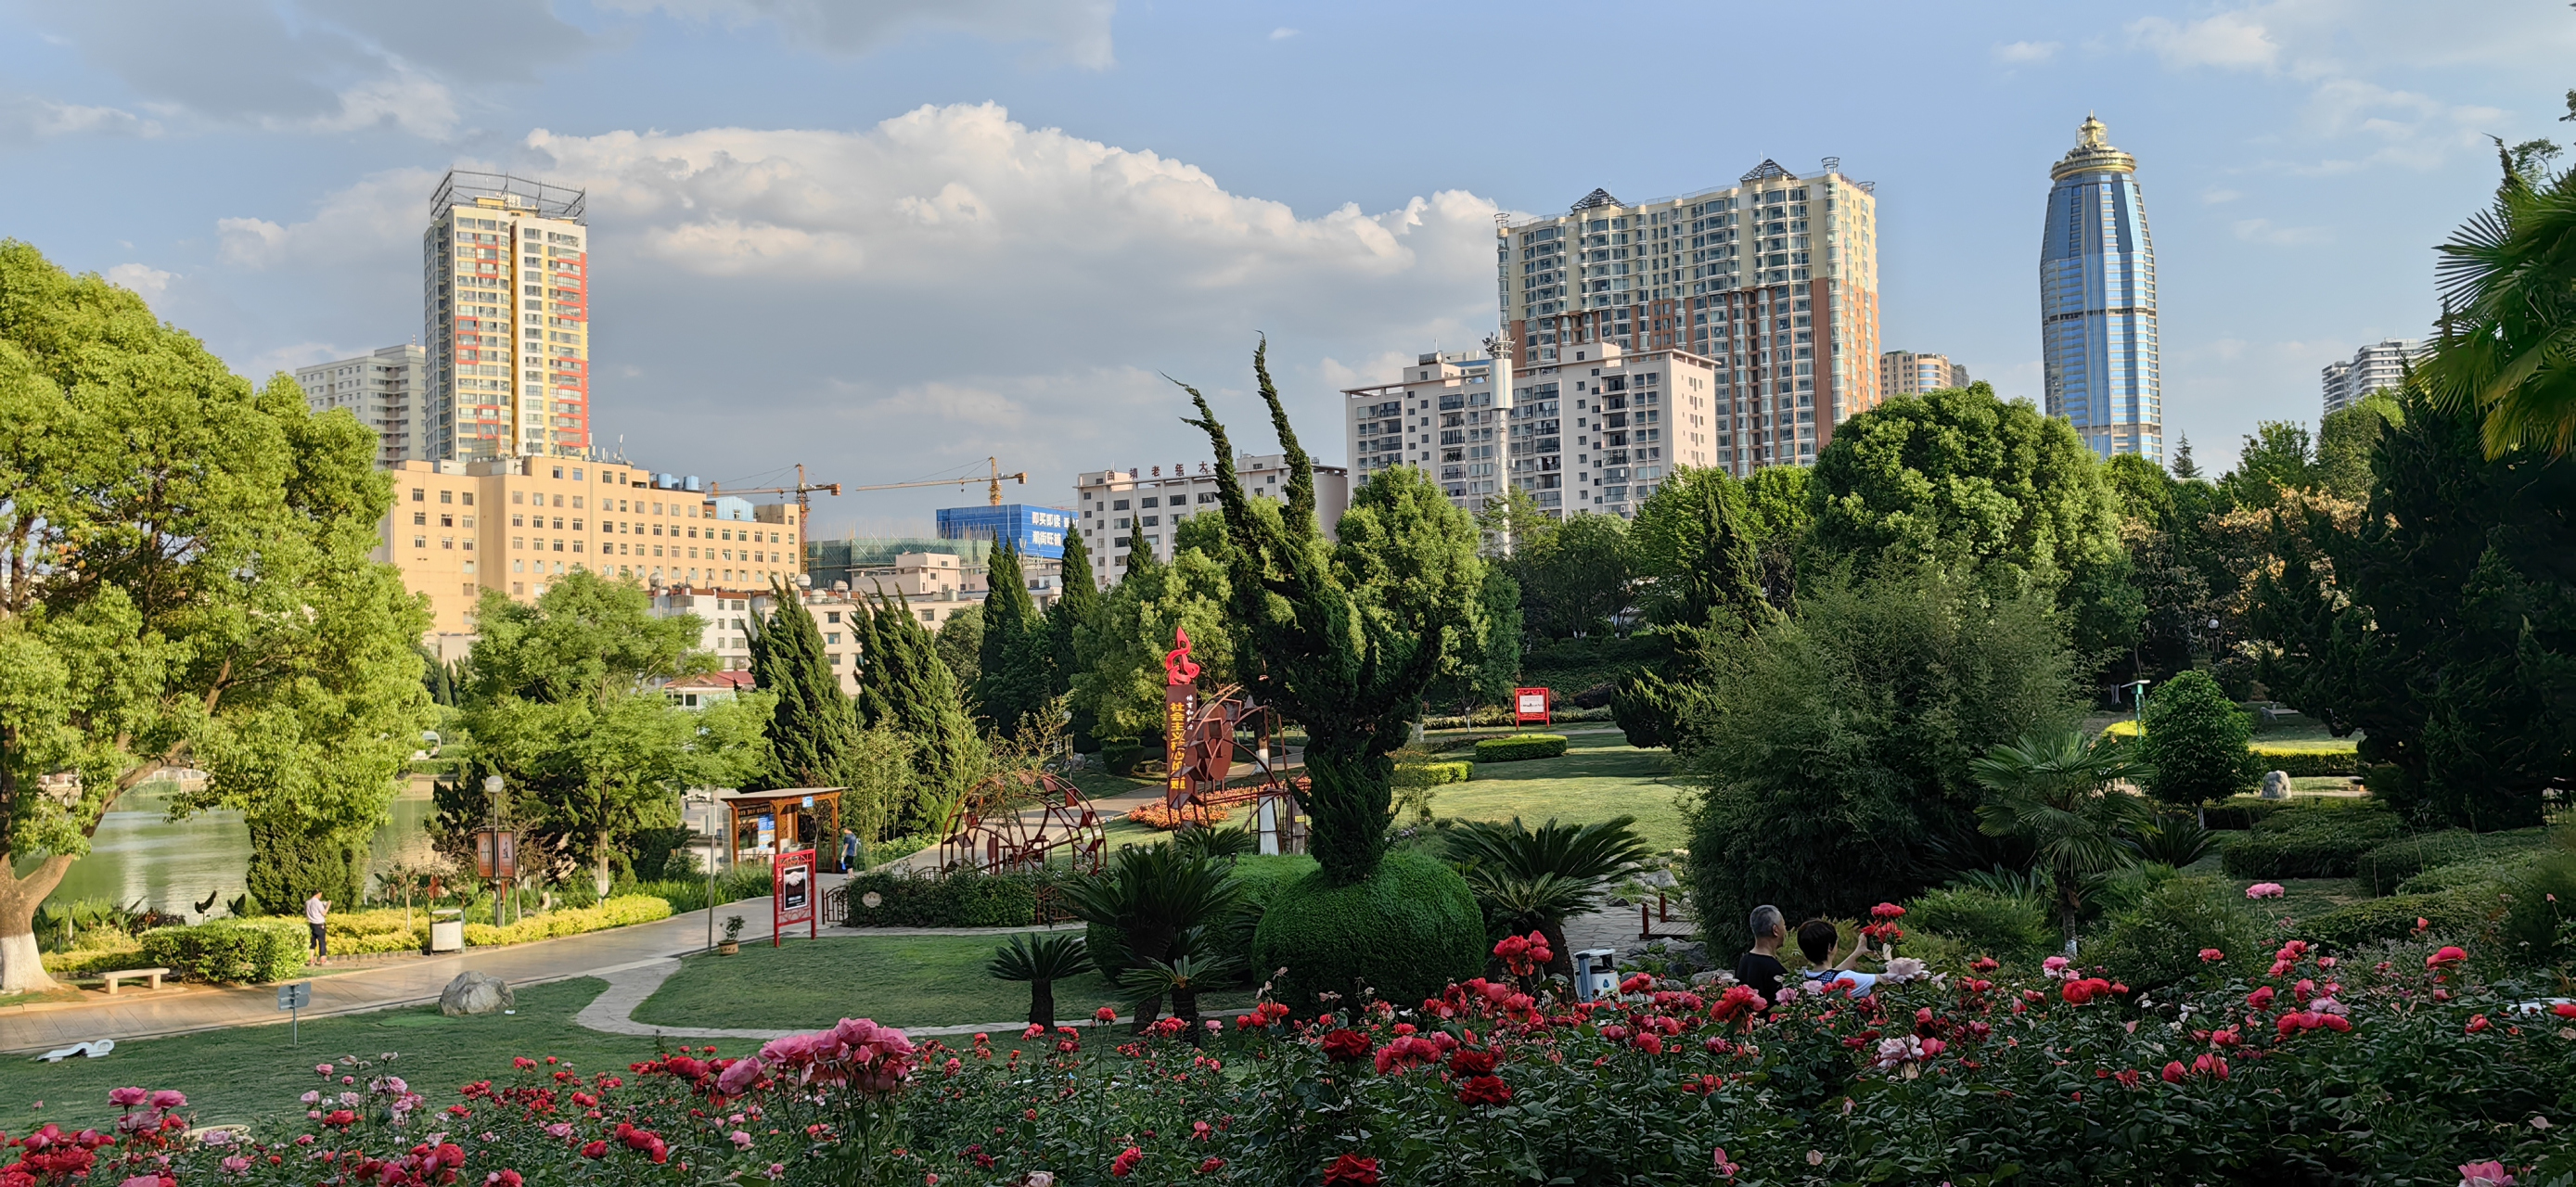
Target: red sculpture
{"x":1177,"y":668}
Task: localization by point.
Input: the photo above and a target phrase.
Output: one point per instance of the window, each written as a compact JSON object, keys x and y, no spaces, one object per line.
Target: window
{"x":419,"y":495}
{"x":518,"y":496}
{"x":1120,"y":505}
{"x":420,"y":519}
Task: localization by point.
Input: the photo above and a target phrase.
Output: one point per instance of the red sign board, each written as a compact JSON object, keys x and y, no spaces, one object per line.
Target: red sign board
{"x":496,"y":853}
{"x":1530,"y":705}
{"x":791,"y":894}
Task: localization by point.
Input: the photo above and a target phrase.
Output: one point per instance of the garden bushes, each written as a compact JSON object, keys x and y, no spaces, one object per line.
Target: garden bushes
{"x":965,"y":898}
{"x":2308,"y":764}
{"x":614,"y":912}
{"x":1433,"y":774}
{"x":2451,"y":913}
{"x":385,"y":929}
{"x":1520,"y":747}
{"x":2160,"y":941}
{"x":2382,"y":869}
{"x":2310,"y":842}
{"x":1984,"y":922}
{"x":1404,"y":933}
{"x":247,"y":951}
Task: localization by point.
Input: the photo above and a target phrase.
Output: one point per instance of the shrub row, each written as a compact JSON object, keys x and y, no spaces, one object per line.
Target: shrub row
{"x":90,"y":962}
{"x":1520,"y":747}
{"x":2309,"y":842}
{"x":2384,"y":868}
{"x":1984,"y":922}
{"x":1433,"y":774}
{"x":616,"y":912}
{"x":2450,"y":914}
{"x":907,"y":898}
{"x":2308,"y":764}
{"x":249,"y":951}
{"x":1565,"y":710}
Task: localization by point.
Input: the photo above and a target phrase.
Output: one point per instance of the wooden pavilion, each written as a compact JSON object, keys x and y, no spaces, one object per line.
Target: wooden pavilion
{"x":762,"y":824}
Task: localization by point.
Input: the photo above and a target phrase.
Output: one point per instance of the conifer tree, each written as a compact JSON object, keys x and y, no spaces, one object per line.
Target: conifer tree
{"x":1344,"y":638}
{"x":812,"y":726}
{"x":1017,"y":650}
{"x":911,"y":690}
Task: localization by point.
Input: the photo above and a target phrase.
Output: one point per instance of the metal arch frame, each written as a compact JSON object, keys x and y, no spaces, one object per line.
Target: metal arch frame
{"x":992,"y":831}
{"x":1212,"y":748}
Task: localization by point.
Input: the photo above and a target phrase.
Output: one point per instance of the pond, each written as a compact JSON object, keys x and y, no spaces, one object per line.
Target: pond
{"x":139,"y":853}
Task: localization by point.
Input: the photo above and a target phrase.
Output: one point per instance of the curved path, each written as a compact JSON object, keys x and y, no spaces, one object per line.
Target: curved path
{"x":612,"y":1012}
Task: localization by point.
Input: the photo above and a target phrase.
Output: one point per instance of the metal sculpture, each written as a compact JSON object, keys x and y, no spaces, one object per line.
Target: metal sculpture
{"x":1224,"y":730}
{"x":997,"y":827}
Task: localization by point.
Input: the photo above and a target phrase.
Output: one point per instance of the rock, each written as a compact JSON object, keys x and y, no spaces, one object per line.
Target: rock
{"x":1617,"y":901}
{"x":475,"y":993}
{"x":2276,"y":785}
{"x":1660,"y":879}
{"x":1711,"y":977}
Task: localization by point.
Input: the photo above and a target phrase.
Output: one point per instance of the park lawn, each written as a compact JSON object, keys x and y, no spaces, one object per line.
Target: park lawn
{"x":896,"y":980}
{"x":1598,"y":777}
{"x":248,"y":1073}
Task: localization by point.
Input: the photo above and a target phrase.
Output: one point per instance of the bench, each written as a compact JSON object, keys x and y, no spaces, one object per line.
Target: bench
{"x":150,"y":977}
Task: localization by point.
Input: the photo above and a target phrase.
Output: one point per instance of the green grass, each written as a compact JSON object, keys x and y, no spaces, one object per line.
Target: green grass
{"x":896,"y":980}
{"x":246,"y":1073}
{"x":1598,"y":777}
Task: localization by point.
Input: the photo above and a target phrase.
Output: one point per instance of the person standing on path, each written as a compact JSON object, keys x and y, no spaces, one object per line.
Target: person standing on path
{"x":315,"y":912}
{"x":849,"y":851}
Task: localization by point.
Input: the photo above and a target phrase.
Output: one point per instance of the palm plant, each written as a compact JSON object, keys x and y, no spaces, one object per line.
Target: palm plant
{"x":1040,"y":960}
{"x":1149,"y":898}
{"x":2508,"y":333}
{"x":1533,"y":880}
{"x":2176,"y":841}
{"x":2055,"y":791}
{"x":1190,"y":970}
{"x":1215,"y":844}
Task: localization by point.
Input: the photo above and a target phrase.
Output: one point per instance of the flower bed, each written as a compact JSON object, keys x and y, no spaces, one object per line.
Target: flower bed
{"x":1157,"y":814}
{"x":1520,"y":747}
{"x":2406,"y":1069}
{"x":615,"y":912}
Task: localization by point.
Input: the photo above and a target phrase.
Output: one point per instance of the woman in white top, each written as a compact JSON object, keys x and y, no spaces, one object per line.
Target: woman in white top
{"x":315,"y":912}
{"x":1817,"y":939}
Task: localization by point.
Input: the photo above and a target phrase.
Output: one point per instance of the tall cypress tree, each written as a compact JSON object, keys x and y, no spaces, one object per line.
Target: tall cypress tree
{"x":914,"y":692}
{"x":1017,"y":650}
{"x":1077,"y":609}
{"x":812,"y":727}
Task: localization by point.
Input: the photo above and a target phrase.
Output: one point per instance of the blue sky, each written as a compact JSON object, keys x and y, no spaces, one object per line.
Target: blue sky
{"x":889,"y":239}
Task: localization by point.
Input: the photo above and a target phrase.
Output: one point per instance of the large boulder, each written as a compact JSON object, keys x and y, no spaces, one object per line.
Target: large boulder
{"x":2276,"y":786}
{"x":475,"y":993}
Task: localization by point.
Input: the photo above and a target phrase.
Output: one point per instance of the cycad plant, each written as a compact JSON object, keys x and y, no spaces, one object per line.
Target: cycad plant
{"x":1529,"y":880}
{"x":1144,"y":903}
{"x":1190,"y":970}
{"x":2055,"y":790}
{"x":2507,"y":346}
{"x":1215,"y":844}
{"x":1040,"y":960}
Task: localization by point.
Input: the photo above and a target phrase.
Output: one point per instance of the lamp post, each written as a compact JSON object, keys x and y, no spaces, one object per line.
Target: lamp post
{"x":2138,"y":702}
{"x":492,"y":798}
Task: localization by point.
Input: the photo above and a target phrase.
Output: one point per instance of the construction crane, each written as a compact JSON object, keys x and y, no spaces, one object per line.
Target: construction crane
{"x":803,"y":490}
{"x":992,"y":482}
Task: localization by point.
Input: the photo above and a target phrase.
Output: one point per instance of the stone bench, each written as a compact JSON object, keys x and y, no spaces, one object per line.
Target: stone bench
{"x":150,"y":977}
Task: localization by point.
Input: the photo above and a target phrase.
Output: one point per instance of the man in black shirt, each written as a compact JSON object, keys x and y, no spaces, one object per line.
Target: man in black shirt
{"x":1761,"y":968}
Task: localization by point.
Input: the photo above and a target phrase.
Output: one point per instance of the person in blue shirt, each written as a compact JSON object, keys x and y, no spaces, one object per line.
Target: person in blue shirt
{"x":1817,"y":939}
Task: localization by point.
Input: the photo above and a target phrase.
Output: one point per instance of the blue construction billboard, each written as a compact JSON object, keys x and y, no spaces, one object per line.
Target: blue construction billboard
{"x":1035,"y":531}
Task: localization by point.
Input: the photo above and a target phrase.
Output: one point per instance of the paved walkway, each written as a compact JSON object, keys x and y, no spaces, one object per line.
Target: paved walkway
{"x":612,"y":1011}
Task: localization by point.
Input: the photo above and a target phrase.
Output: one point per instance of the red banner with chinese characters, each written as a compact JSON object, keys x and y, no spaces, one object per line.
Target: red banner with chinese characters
{"x":792,"y":894}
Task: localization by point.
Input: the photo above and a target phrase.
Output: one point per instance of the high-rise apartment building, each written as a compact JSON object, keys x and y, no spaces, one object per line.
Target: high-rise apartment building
{"x":2097,"y":301}
{"x":1770,"y":285}
{"x":2380,"y":364}
{"x":505,"y":294}
{"x":387,"y":390}
{"x":1123,"y":510}
{"x":1445,"y":415}
{"x":1905,"y":373}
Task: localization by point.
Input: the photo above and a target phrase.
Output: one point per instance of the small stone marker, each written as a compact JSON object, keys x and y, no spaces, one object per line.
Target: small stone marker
{"x":2276,"y":786}
{"x":474,"y":993}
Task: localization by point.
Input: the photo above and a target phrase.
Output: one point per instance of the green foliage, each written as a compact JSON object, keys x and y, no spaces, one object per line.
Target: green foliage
{"x":1040,"y":960}
{"x":1570,"y":666}
{"x":905,"y":687}
{"x":287,"y":866}
{"x":1150,"y":905}
{"x":1402,"y":934}
{"x":2159,"y":942}
{"x":2384,"y":868}
{"x":1985,"y":922}
{"x":1122,"y":688}
{"x":1574,"y":576}
{"x":963,"y":898}
{"x":620,"y":911}
{"x":2539,"y":924}
{"x":2305,"y":764}
{"x":2440,"y":623}
{"x":690,"y":894}
{"x":2052,"y":791}
{"x":2194,"y":744}
{"x":2277,"y":457}
{"x":2347,"y":436}
{"x":237,"y":951}
{"x":1016,"y":668}
{"x":191,"y":584}
{"x":2448,"y":915}
{"x":1835,"y":746}
{"x":959,"y":643}
{"x":812,"y":728}
{"x":1705,"y":553}
{"x":1520,"y":747}
{"x":1433,"y":774}
{"x":2505,"y":279}
{"x":1526,"y":879}
{"x":1486,"y":665}
{"x":2305,"y":842}
{"x":2175,"y":841}
{"x":1964,"y":476}
{"x":1344,"y":639}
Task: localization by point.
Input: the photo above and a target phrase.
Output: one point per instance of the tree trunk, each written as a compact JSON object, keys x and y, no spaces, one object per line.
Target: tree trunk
{"x":1185,"y":1006}
{"x":1562,"y":963}
{"x":599,"y":859}
{"x":22,"y":969}
{"x":1042,"y":1004}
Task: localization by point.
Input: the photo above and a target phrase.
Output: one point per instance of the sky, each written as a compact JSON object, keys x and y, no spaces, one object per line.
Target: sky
{"x":888,"y":240}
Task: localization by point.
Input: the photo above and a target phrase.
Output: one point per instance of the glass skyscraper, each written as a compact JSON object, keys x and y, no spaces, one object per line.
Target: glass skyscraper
{"x":2097,"y":301}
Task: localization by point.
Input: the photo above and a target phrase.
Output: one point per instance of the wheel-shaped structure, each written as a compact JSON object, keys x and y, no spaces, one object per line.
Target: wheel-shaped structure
{"x":1022,"y":820}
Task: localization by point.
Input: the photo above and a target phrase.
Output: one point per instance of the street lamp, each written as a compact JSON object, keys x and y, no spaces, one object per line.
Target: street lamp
{"x":2138,"y":699}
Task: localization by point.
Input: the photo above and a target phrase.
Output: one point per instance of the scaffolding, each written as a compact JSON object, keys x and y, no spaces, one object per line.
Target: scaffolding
{"x":462,"y":186}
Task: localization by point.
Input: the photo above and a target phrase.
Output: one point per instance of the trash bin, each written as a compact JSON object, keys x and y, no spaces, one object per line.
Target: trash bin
{"x":1595,"y":977}
{"x":447,"y":930}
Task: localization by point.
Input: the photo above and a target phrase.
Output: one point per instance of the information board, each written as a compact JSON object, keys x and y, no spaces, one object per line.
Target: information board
{"x":792,"y":894}
{"x":1530,"y":705}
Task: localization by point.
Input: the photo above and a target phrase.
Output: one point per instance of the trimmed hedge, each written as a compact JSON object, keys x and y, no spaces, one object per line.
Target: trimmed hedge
{"x":1983,"y":922}
{"x":2459,"y":875}
{"x":2309,"y":842}
{"x":965,"y":898}
{"x":2384,"y":868}
{"x":1433,"y":774}
{"x":1520,"y":747}
{"x":616,"y":912}
{"x":2452,"y":914}
{"x":90,"y":962}
{"x":1404,"y":934}
{"x":246,"y":951}
{"x":2159,"y":942}
{"x":2309,"y":764}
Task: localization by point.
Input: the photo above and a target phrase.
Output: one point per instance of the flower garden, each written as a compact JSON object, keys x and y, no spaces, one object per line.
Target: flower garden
{"x":2410,"y":1068}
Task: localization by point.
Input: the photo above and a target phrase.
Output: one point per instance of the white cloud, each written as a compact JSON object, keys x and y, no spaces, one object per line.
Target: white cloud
{"x":1282,"y":33}
{"x":2228,"y":40}
{"x":2027,"y":51}
{"x":145,"y":280}
{"x":1075,"y":31}
{"x":2220,"y":197}
{"x":2263,"y":231}
{"x":26,"y":117}
{"x":373,"y":223}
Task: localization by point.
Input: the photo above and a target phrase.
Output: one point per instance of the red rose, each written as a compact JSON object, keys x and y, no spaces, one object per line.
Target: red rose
{"x":1484,"y":1090}
{"x":1125,"y":1164}
{"x":595,"y":1149}
{"x":1474,"y":1063}
{"x":1351,"y":1170}
{"x":1346,"y":1046}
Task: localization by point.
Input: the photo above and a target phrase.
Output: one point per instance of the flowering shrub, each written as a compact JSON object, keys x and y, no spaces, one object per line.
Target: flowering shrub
{"x":2314,"y":1070}
{"x":1157,"y":814}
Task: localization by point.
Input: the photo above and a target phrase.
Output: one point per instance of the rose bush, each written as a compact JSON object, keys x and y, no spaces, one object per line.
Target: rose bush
{"x":2316,"y":1068}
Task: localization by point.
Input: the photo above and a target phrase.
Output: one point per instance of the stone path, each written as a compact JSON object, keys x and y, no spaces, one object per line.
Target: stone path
{"x":612,"y":1012}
